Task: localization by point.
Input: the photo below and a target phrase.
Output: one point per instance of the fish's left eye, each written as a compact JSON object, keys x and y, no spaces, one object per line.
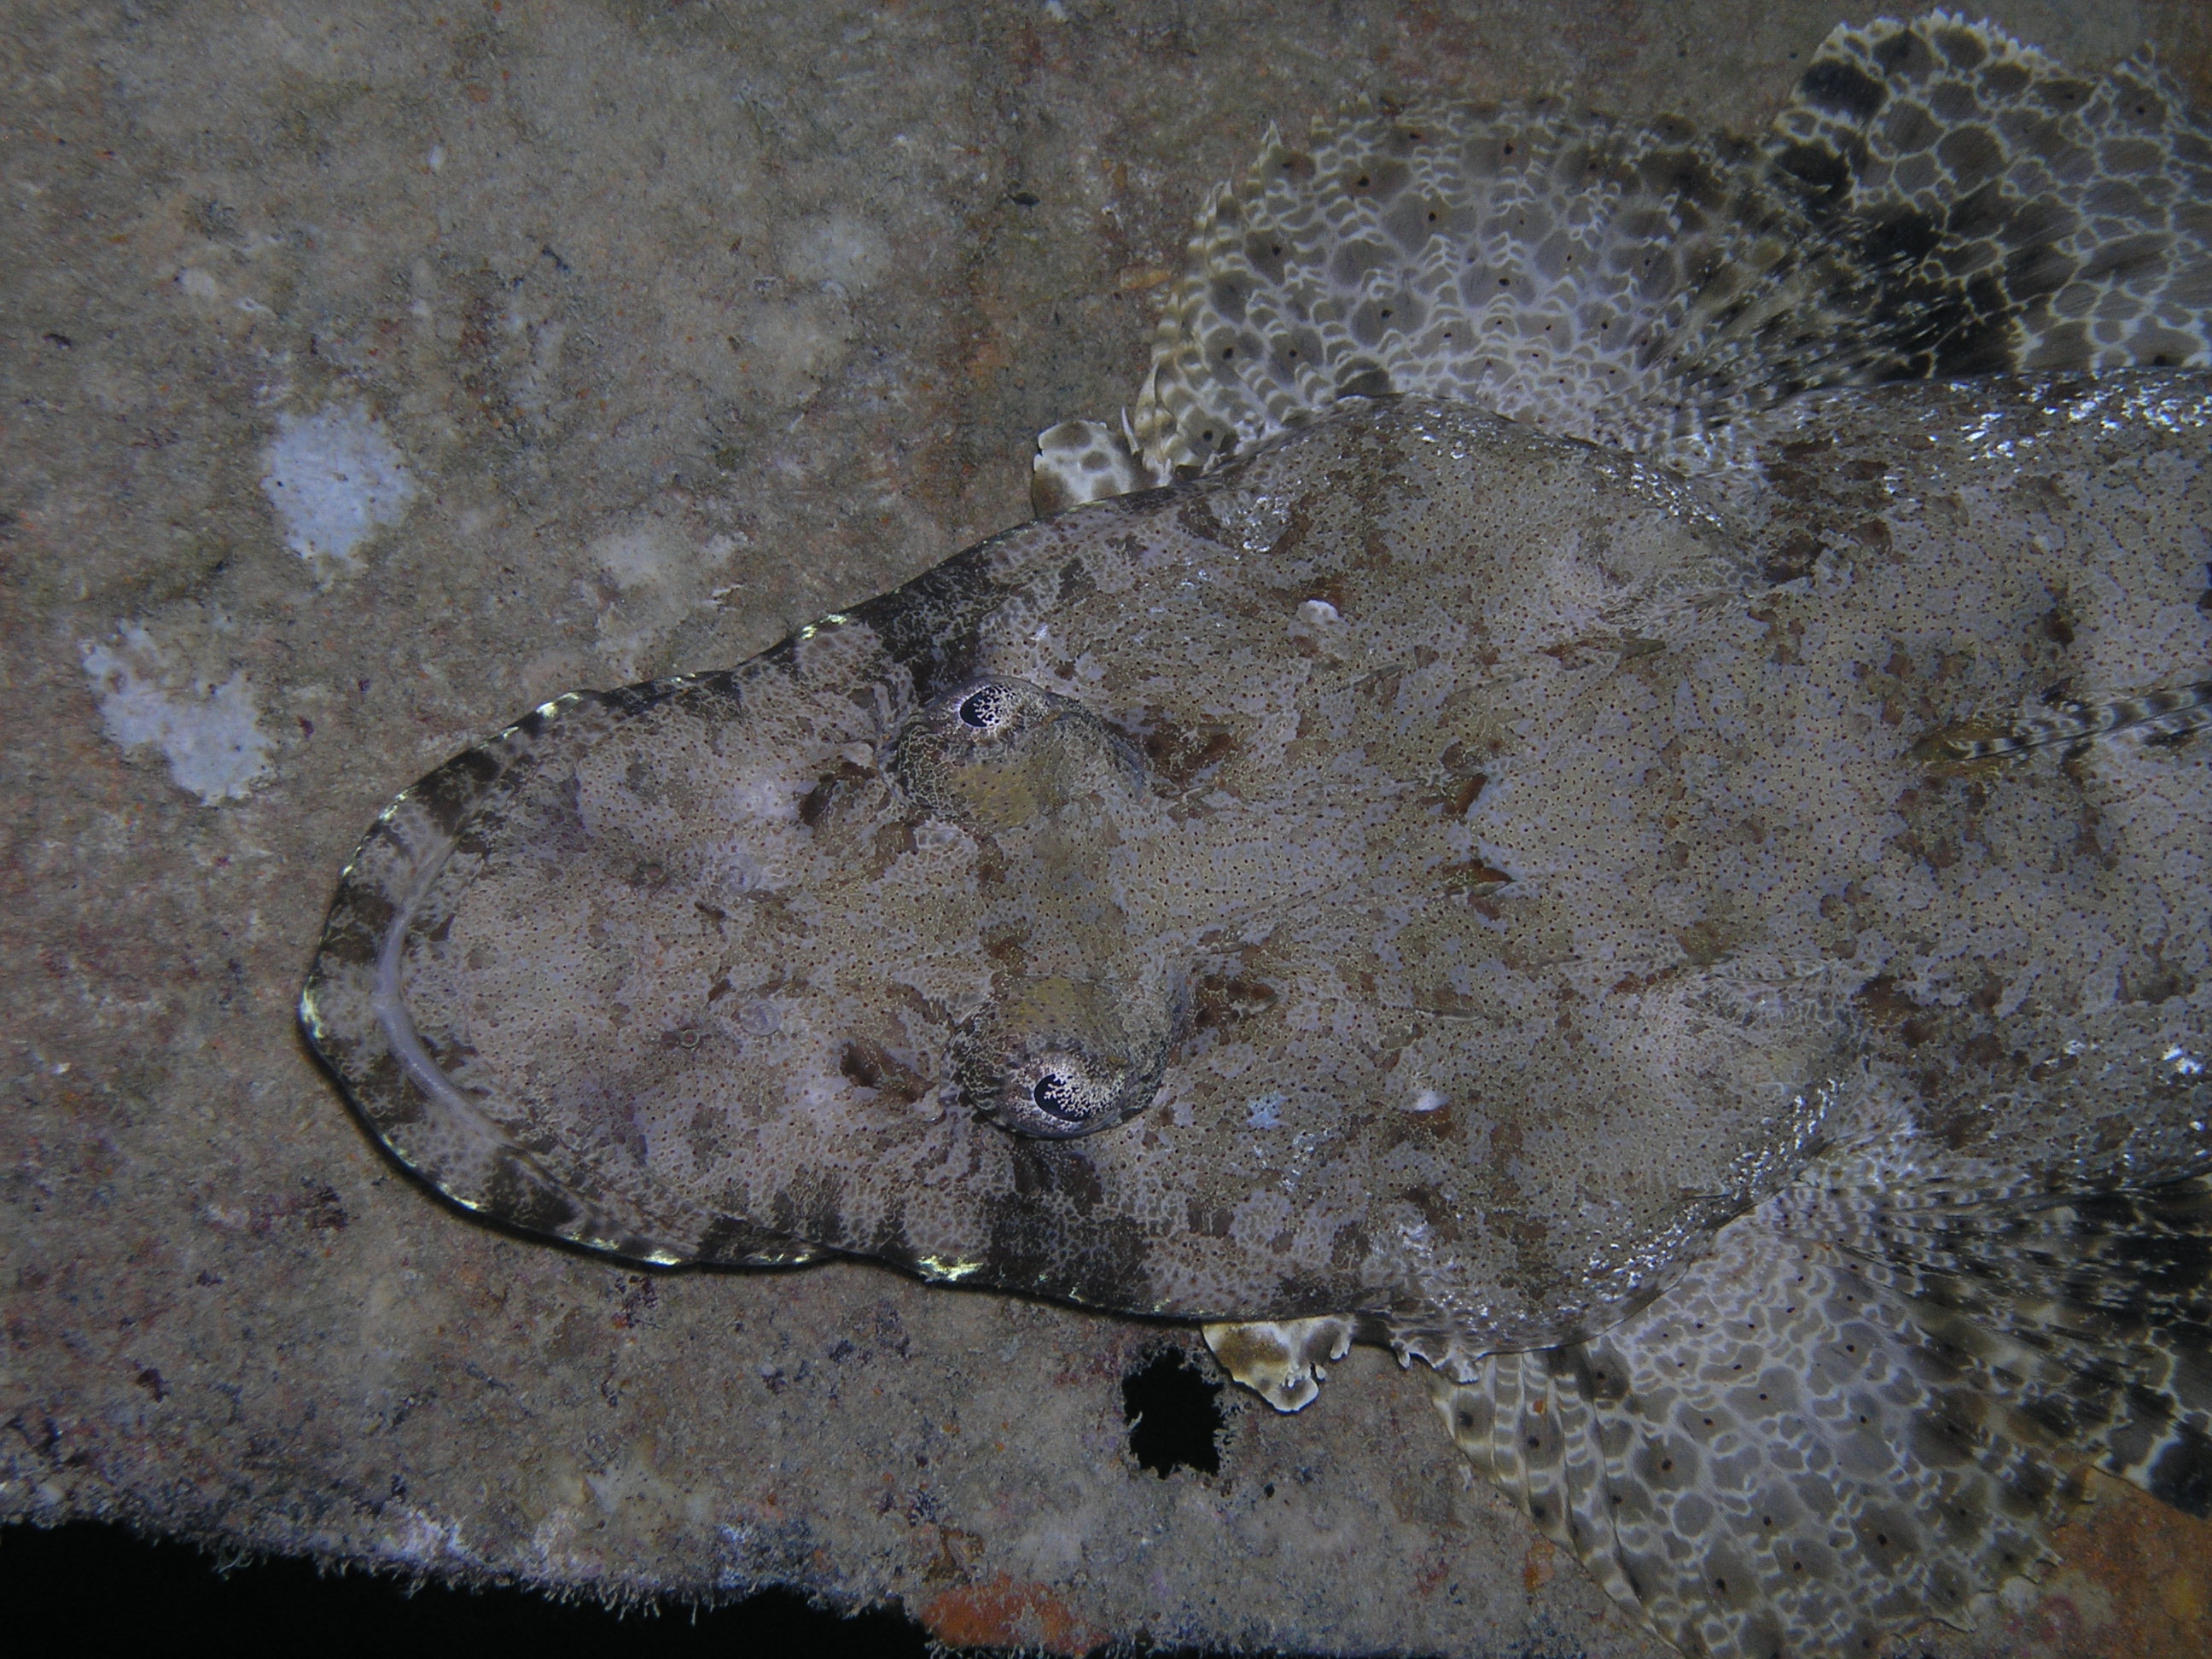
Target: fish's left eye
{"x":1052,"y":1058}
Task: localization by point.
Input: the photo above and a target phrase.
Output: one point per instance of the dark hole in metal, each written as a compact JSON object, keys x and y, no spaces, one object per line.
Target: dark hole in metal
{"x":1174,"y":1412}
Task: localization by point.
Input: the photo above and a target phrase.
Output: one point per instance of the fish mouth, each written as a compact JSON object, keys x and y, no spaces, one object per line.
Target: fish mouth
{"x":409,"y":1086}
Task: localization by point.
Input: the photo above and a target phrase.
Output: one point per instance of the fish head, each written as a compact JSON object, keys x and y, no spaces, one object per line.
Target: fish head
{"x":1266,"y":897}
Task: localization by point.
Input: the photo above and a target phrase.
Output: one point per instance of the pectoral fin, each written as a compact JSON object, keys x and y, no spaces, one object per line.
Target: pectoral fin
{"x":1281,"y":1360}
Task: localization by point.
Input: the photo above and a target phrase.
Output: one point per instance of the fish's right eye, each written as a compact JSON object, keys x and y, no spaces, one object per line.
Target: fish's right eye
{"x":1054,"y":1059}
{"x":1063,"y":1092}
{"x":996,"y":752}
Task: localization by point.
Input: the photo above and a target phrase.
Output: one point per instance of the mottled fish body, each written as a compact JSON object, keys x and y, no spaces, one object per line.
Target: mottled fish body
{"x":1687,"y":909}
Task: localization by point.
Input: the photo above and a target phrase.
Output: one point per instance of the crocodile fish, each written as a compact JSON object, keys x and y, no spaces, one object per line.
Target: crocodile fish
{"x":1604,"y":783}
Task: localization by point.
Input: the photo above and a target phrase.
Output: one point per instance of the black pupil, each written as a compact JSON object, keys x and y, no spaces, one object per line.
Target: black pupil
{"x":983,"y":707}
{"x":1055,"y":1094}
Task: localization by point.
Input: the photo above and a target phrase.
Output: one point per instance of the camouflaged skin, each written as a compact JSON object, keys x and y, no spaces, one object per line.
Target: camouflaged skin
{"x":1552,"y":909}
{"x":1715,"y":965}
{"x":1518,"y":879}
{"x":804,"y":936}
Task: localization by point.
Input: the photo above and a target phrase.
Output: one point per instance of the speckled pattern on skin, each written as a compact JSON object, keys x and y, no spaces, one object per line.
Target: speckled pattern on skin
{"x":687,"y":325}
{"x":1681,"y":986}
{"x":1462,"y":880}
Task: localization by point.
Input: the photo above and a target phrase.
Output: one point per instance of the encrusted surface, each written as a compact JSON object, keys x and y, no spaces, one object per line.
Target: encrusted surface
{"x":685,"y":328}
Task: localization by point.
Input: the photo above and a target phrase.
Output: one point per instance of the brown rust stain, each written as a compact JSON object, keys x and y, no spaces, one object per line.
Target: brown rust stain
{"x":1538,"y":1564}
{"x":2135,"y":1578}
{"x":2182,"y":30}
{"x":1003,"y":1612}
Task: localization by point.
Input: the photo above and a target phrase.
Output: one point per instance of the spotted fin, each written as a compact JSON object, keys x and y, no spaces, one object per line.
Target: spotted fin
{"x":1935,"y":199}
{"x":2090,"y":1315}
{"x":2013,"y":215}
{"x":1533,"y":259}
{"x":1081,"y":461}
{"x":1870,"y":1405}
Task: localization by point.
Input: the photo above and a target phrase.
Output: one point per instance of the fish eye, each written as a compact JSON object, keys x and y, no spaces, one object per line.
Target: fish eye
{"x":987,"y":708}
{"x":982,"y":710}
{"x":996,"y":752}
{"x":1052,"y":1058}
{"x":1059,"y":1093}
